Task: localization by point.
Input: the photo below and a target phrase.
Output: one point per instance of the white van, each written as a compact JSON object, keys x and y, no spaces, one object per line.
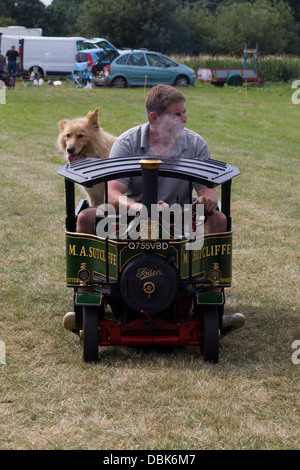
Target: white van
{"x":20,"y":30}
{"x":47,"y":55}
{"x":6,"y":41}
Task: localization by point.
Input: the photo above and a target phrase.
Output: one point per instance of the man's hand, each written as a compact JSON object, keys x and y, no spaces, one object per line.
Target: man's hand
{"x":162,"y":205}
{"x":209,"y":204}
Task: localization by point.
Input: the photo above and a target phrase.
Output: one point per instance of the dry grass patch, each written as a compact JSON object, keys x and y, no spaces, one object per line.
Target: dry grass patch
{"x":150,"y":399}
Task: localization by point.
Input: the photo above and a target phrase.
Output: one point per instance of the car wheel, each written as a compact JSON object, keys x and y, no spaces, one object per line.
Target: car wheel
{"x":119,"y":82}
{"x":182,"y":81}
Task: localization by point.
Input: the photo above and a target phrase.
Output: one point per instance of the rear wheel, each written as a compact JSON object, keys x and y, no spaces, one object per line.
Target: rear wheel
{"x":90,"y":334}
{"x":119,"y":82}
{"x":36,"y":73}
{"x":210,"y":325}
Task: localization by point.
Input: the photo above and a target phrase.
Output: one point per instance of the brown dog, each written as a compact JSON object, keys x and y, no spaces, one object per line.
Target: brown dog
{"x":84,"y":138}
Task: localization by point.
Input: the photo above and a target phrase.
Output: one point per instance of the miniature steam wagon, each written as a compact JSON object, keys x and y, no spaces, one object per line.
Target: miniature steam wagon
{"x":147,"y":290}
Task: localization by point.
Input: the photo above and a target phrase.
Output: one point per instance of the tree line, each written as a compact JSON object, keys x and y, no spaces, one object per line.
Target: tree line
{"x":190,"y":27}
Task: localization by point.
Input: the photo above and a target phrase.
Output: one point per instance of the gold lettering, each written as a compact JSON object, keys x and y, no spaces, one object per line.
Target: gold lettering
{"x":98,"y":254}
{"x":112,"y":259}
{"x":82,"y":251}
{"x":206,"y":254}
{"x":225,"y":279}
{"x":72,"y":250}
{"x":210,"y":250}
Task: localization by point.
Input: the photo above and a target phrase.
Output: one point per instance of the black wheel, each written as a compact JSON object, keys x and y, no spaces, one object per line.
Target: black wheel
{"x":210,"y":320}
{"x":182,"y":81}
{"x":90,"y":334}
{"x":119,"y":82}
{"x":37,"y":72}
{"x":235,"y":80}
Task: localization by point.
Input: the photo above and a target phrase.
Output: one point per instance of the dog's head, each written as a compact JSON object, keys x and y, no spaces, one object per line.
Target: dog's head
{"x":76,"y":136}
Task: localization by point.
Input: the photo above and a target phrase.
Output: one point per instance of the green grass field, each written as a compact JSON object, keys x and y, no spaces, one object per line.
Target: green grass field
{"x":151,"y":399}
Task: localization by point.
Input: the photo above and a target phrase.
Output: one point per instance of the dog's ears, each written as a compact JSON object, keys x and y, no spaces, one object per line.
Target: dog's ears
{"x":62,"y":124}
{"x":92,"y":117}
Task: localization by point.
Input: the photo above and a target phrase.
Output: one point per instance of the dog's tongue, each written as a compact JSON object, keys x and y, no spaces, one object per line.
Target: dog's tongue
{"x":72,"y":158}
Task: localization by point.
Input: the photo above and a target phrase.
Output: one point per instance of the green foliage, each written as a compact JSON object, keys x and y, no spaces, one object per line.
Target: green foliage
{"x":130,"y":23}
{"x":29,"y":13}
{"x":170,"y":26}
{"x":62,"y":16}
{"x":279,"y":68}
{"x":6,"y":9}
{"x":192,"y":27}
{"x":199,"y":27}
{"x":271,"y":25}
{"x":7,"y":21}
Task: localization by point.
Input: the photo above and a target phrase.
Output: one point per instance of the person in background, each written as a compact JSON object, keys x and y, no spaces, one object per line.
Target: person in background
{"x":12,"y":56}
{"x":2,"y":66}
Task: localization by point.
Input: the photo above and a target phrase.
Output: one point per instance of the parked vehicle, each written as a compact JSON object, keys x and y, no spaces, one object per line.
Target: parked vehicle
{"x":145,"y":68}
{"x":88,"y":63}
{"x":20,"y":30}
{"x":231,"y":76}
{"x":8,"y":40}
{"x":47,"y":55}
{"x":108,"y":47}
{"x":86,"y":60}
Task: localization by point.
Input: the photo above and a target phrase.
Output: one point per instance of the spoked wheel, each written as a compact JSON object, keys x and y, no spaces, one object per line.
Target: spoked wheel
{"x":210,"y":324}
{"x":235,"y":80}
{"x":182,"y":81}
{"x":90,"y":334}
{"x":119,"y":82}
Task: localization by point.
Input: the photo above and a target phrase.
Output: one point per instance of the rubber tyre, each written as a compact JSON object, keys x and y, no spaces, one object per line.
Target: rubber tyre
{"x":119,"y":82}
{"x":90,"y":334}
{"x":235,"y":80}
{"x":39,"y":71}
{"x":182,"y":81}
{"x":210,"y":319}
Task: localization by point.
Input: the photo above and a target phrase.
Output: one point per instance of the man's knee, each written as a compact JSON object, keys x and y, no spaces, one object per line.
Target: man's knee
{"x":86,"y":221}
{"x":217,"y":222}
{"x":222,"y":221}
